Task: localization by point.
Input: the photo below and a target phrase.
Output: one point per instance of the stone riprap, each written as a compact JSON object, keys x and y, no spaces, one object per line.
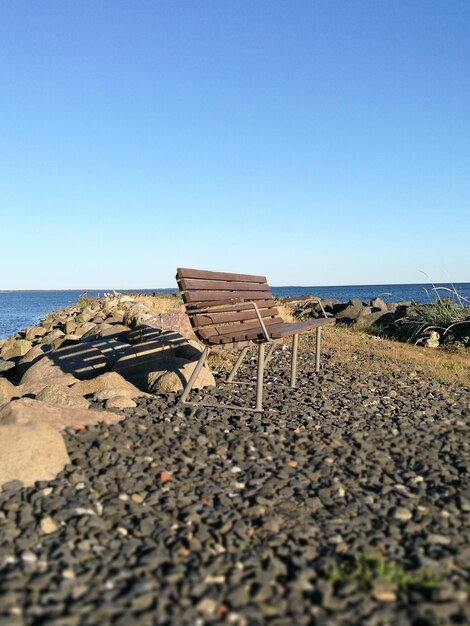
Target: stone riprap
{"x":207,"y":516}
{"x":423,"y":324}
{"x":102,"y":352}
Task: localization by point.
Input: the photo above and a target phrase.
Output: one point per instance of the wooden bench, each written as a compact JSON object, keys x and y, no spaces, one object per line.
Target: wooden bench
{"x":229,"y":311}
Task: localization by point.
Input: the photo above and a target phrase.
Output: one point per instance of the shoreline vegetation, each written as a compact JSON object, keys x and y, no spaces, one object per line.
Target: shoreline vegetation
{"x":345,"y":502}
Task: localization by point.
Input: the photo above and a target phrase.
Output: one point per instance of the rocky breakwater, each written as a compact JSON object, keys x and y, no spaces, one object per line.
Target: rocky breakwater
{"x":81,"y":366}
{"x":441,"y":322}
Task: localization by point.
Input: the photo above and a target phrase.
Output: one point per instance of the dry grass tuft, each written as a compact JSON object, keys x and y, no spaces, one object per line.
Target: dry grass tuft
{"x":286,"y":313}
{"x":161,"y":303}
{"x":358,"y":351}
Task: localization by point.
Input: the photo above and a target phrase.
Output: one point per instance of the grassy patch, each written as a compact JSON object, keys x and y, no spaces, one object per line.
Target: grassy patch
{"x":162,"y":302}
{"x":358,"y":351}
{"x":368,"y":571}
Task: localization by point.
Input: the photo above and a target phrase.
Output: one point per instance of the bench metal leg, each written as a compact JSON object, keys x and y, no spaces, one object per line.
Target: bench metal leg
{"x":293,"y":369}
{"x":259,"y":383}
{"x":195,"y":374}
{"x":269,"y":354}
{"x":234,"y":370}
{"x":317,"y":350}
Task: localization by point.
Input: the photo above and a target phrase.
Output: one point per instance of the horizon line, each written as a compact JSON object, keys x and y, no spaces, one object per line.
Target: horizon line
{"x":160,"y":289}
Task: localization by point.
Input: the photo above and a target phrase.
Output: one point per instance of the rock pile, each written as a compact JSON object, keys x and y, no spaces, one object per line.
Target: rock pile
{"x":104,"y":353}
{"x":403,"y":321}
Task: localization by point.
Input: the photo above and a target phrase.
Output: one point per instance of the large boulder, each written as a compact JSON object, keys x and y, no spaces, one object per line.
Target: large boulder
{"x":136,"y":315}
{"x":70,"y":326}
{"x":33,"y":355}
{"x":108,"y":380}
{"x":377,"y":304}
{"x":173,"y":373}
{"x":110,"y":349}
{"x":13,"y":348}
{"x":139,"y":359}
{"x":35,"y":387}
{"x":81,"y":329}
{"x":82,"y":360}
{"x":112,"y":331}
{"x":34,"y":332}
{"x":350,"y":312}
{"x":51,"y":337}
{"x":378,"y":318}
{"x":63,"y":396}
{"x":7,"y":390}
{"x":107,"y":394}
{"x":116,"y":315}
{"x":27,"y":411}
{"x":5,"y":366}
{"x":31,"y":452}
{"x":120,"y":402}
{"x":172,"y":321}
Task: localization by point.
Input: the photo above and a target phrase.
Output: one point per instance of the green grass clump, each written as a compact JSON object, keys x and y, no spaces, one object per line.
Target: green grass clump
{"x":368,"y":570}
{"x":448,"y":315}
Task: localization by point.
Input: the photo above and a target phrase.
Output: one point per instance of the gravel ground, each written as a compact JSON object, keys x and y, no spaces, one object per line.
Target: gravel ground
{"x":347,"y":502}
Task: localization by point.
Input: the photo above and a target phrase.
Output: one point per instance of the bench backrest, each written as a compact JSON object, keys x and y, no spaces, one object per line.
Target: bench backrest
{"x":224,"y":296}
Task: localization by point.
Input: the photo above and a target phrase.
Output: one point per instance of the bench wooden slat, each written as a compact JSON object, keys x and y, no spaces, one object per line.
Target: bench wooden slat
{"x":220,"y":296}
{"x":226,"y":307}
{"x":184,"y":272}
{"x":221,"y":285}
{"x":233,"y":316}
{"x":234,"y":329}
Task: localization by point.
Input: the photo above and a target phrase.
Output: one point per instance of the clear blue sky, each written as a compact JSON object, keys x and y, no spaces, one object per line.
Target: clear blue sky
{"x":319,"y":142}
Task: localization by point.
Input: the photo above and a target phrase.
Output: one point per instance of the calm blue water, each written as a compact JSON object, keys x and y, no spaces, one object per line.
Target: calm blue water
{"x":19,"y":309}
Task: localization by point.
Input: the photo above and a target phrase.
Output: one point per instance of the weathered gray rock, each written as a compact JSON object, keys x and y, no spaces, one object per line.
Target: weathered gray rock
{"x":33,"y":388}
{"x":174,"y":373}
{"x":30,"y":452}
{"x":120,"y":402}
{"x":85,"y":316}
{"x":110,"y":349}
{"x":171,"y":321}
{"x":139,"y":359}
{"x":34,"y":332}
{"x":378,"y":303}
{"x":5,"y":366}
{"x":7,"y":390}
{"x":115,"y":315}
{"x":13,"y":348}
{"x":33,"y":355}
{"x":106,"y":394}
{"x":62,"y":396}
{"x":50,"y":337}
{"x":83,"y":328}
{"x":350,"y":312}
{"x":136,"y":315}
{"x":27,"y":411}
{"x":70,"y":327}
{"x":111,"y":331}
{"x":379,"y":318}
{"x":108,"y":380}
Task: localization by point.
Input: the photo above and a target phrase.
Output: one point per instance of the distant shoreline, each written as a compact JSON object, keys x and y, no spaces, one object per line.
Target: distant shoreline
{"x":168,"y":289}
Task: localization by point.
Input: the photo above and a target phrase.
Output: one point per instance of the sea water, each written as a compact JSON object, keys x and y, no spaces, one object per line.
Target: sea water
{"x":19,"y":309}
